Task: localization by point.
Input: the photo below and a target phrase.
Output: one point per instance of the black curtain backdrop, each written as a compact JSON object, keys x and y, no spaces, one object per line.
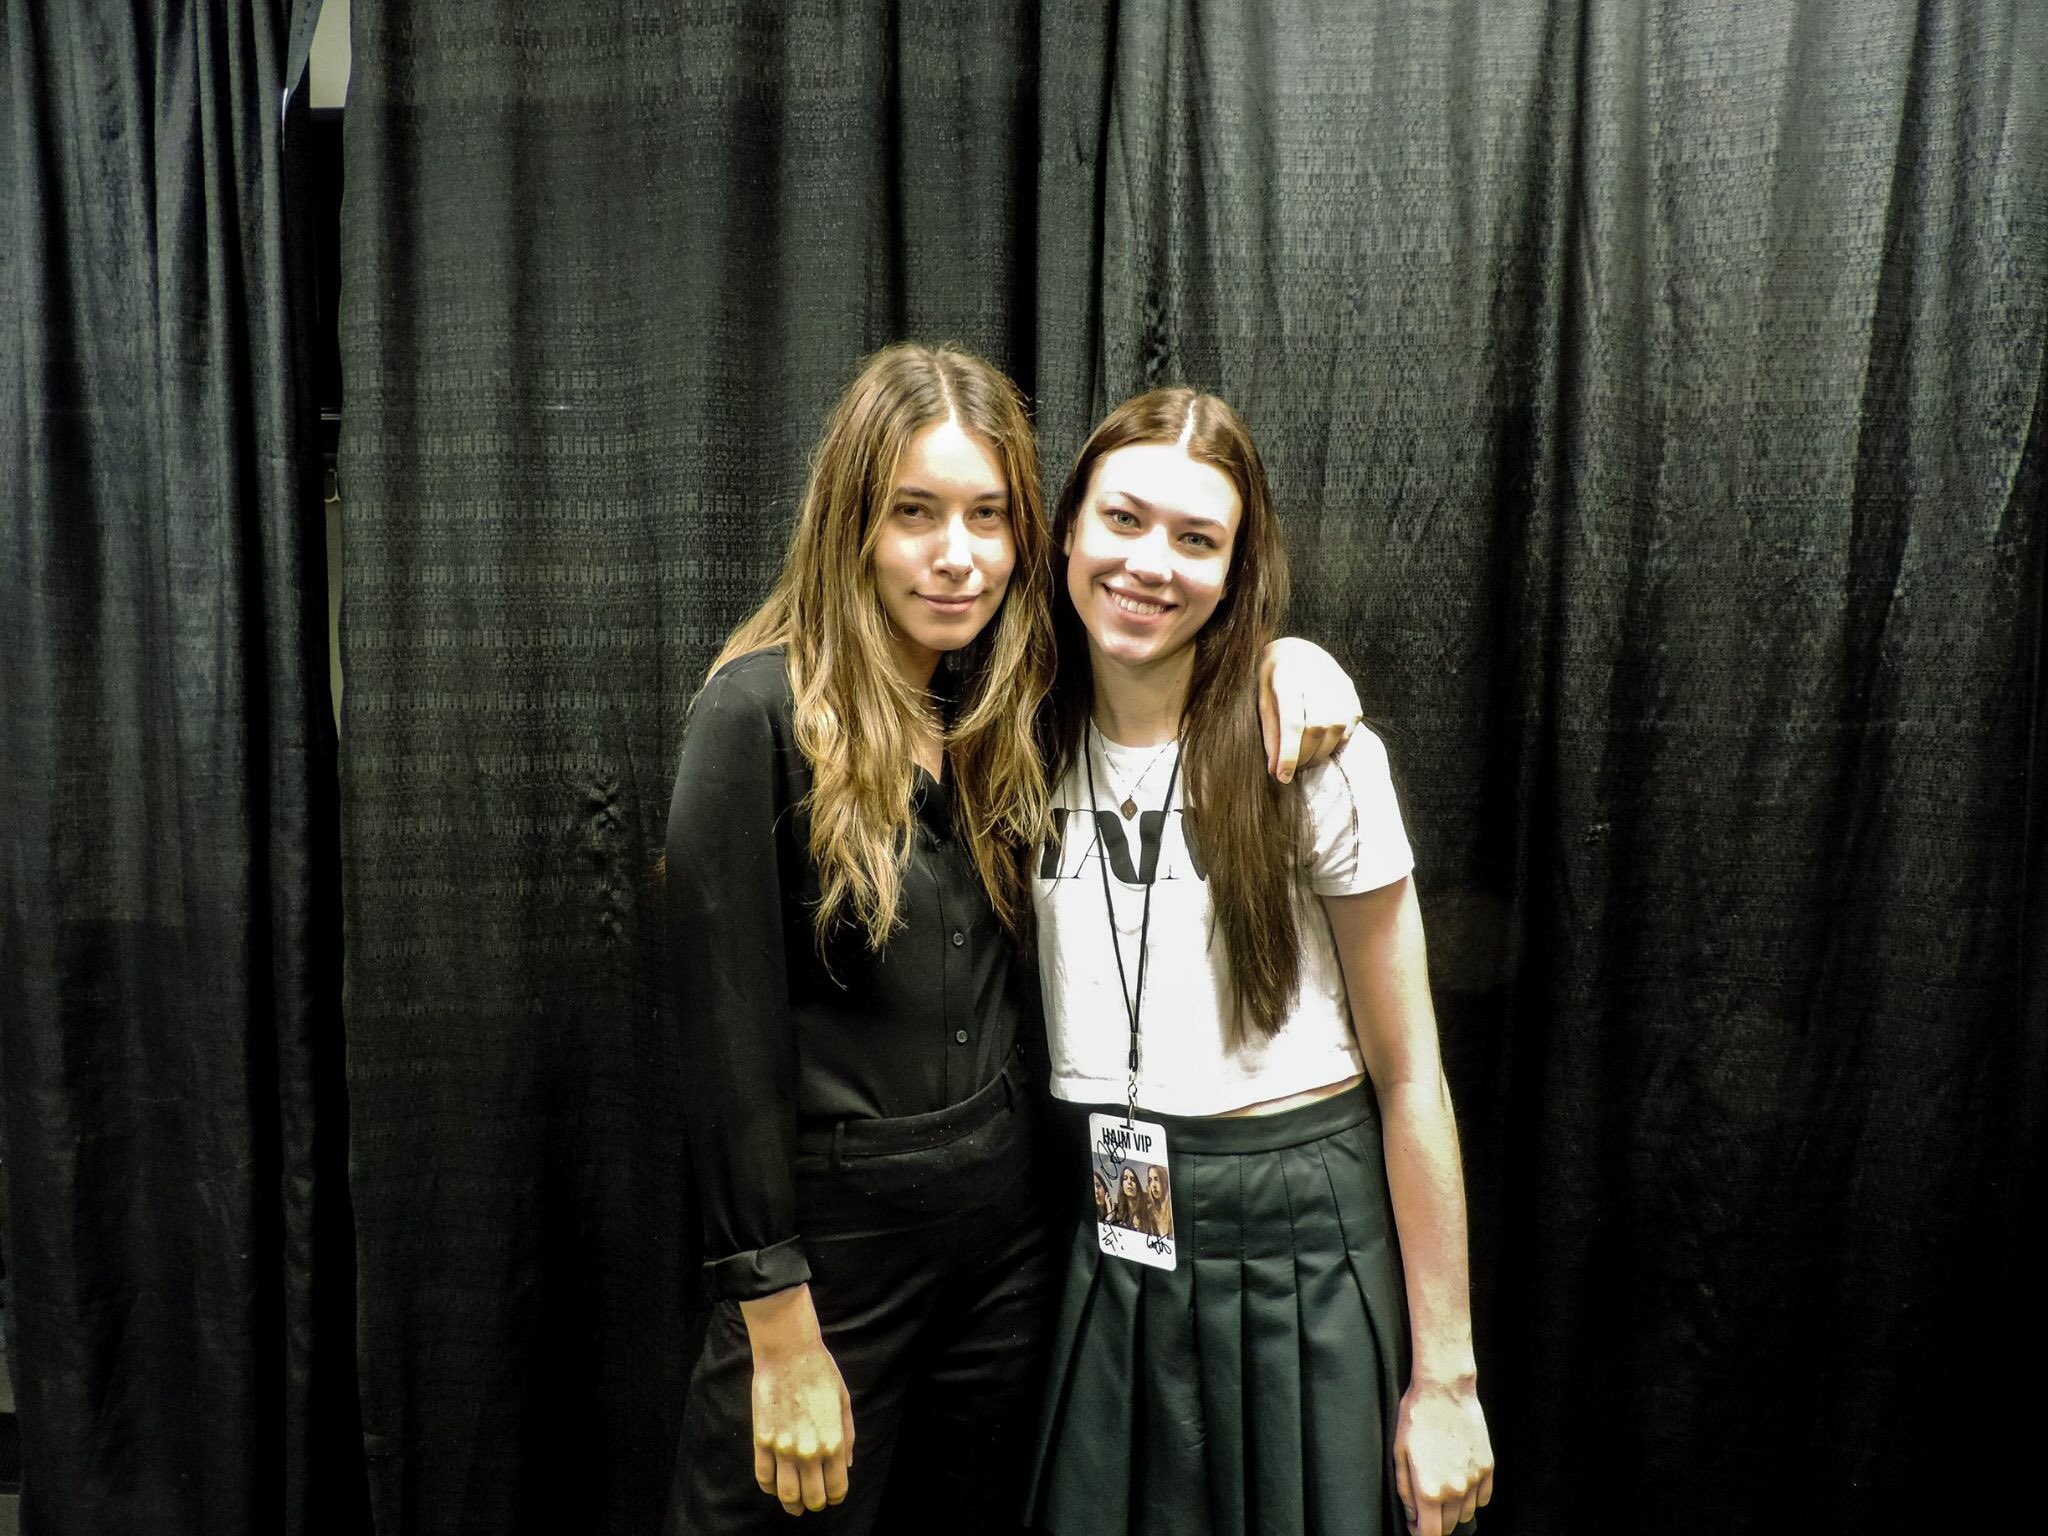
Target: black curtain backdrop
{"x":171,"y":1127}
{"x":1654,"y":394}
{"x":604,"y":271}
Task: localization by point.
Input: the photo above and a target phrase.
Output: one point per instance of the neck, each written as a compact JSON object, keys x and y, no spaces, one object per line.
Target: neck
{"x":1141,"y":706}
{"x":914,"y":663}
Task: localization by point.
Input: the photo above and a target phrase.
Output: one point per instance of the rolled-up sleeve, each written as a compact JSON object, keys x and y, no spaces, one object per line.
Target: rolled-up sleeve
{"x":726,"y":959}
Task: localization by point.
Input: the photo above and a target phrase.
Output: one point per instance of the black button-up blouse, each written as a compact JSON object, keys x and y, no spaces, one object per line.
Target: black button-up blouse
{"x":774,"y":1041}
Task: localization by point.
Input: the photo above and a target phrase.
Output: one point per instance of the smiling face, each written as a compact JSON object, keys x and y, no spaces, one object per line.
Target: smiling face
{"x":1148,"y":556}
{"x":943,"y":548}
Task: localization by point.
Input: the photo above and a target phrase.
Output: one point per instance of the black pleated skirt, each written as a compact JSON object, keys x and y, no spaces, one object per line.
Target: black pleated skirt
{"x":1254,"y":1387}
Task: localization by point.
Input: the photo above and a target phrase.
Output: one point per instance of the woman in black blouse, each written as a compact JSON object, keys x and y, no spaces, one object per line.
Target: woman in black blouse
{"x":848,"y":902}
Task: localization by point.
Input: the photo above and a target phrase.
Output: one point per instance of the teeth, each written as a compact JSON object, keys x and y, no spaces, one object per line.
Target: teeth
{"x":1132,"y":605}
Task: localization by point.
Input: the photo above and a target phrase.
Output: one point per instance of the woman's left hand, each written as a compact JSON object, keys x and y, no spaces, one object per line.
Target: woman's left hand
{"x":1443,"y":1458}
{"x":1307,"y":706}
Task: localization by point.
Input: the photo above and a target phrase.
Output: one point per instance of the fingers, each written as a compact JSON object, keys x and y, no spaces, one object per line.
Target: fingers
{"x":801,"y":1474}
{"x":811,"y":1477}
{"x":1320,"y":743}
{"x":837,"y":1468}
{"x":809,"y":1482}
{"x":1287,"y":747}
{"x":1317,"y":743}
{"x":1486,"y":1488}
{"x":1432,"y":1509}
{"x":1444,"y":1511}
{"x":799,"y":1483}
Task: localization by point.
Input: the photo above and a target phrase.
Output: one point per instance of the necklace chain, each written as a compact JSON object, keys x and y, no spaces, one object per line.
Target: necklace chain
{"x":1127,"y":798}
{"x":1134,"y":1000}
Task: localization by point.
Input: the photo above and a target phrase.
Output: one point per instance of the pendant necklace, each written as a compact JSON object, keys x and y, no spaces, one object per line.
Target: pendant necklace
{"x":1127,"y":803}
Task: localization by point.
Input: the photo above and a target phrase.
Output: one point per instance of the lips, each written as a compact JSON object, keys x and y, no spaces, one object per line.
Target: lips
{"x":951,"y":604}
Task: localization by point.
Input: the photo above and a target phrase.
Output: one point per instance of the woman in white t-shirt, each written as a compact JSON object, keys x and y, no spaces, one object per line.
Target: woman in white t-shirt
{"x":1235,"y":968}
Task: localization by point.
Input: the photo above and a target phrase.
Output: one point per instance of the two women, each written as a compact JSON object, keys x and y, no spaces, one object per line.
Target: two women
{"x":850,"y":897}
{"x":1234,"y":979}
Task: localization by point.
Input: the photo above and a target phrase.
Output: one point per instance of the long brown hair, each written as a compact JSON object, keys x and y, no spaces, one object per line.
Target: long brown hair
{"x":1246,"y":828}
{"x":857,"y":720}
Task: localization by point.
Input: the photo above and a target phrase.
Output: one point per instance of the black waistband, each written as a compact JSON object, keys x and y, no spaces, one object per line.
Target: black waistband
{"x":918,"y":1133}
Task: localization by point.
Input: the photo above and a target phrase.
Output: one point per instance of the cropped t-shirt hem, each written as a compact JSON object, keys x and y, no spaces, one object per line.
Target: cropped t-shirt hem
{"x":1221,"y":1101}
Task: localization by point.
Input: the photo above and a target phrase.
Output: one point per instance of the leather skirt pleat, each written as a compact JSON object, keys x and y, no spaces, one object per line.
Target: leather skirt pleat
{"x":1254,"y":1387}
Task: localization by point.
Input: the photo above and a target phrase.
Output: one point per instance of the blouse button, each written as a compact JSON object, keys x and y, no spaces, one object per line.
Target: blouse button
{"x":959,"y":938}
{"x":959,"y":1037}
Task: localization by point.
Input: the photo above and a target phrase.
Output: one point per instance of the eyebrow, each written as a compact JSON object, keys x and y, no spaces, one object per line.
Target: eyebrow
{"x":919,"y":493}
{"x":1153,"y":509}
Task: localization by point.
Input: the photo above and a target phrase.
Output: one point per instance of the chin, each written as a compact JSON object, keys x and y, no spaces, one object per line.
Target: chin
{"x":947,"y":638}
{"x":1134,"y":650}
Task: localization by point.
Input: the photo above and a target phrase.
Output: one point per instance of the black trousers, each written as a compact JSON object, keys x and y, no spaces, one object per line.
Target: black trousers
{"x":932,"y":1270}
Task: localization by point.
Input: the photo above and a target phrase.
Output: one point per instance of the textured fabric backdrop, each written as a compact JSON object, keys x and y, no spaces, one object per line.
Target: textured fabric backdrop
{"x":1653,"y":393}
{"x":171,"y":1117}
{"x":604,"y":271}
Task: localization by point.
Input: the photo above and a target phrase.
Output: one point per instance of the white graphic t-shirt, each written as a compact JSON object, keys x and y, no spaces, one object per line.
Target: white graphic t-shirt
{"x":1189,"y":1061}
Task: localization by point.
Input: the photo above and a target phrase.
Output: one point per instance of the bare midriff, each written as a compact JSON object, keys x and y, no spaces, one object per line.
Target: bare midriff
{"x":1295,"y":1100}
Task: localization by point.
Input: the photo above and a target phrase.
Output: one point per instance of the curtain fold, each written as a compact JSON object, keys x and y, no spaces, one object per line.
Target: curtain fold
{"x":1652,"y":392}
{"x":172,"y":1131}
{"x":605,"y":268}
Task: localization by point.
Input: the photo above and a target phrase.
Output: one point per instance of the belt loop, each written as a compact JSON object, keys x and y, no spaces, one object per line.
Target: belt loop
{"x":838,"y":1146}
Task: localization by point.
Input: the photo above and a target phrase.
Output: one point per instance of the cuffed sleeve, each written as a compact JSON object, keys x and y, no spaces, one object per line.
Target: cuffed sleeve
{"x":725,"y":905}
{"x":758,"y":1271}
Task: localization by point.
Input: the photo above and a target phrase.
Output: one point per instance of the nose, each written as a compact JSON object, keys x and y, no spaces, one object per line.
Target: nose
{"x":1147,"y":558}
{"x":955,"y":555}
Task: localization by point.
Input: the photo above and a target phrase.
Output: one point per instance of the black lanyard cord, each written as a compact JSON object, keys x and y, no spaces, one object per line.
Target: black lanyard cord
{"x":1132,"y":1002}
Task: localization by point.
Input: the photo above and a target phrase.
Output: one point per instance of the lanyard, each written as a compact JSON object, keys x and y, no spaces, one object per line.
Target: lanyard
{"x":1132,"y":1001}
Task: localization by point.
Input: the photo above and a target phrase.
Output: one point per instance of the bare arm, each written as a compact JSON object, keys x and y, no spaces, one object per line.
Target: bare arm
{"x":1443,"y":1458}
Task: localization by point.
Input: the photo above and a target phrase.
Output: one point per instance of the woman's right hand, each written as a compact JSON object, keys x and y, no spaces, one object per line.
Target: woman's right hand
{"x":803,"y":1419}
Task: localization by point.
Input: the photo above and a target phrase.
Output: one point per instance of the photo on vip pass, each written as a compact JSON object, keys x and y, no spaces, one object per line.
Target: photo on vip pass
{"x":1133,"y":1194}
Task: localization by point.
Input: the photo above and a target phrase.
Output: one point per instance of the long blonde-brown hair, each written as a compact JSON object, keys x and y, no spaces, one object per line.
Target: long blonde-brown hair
{"x":857,"y":720}
{"x":1246,"y":828}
